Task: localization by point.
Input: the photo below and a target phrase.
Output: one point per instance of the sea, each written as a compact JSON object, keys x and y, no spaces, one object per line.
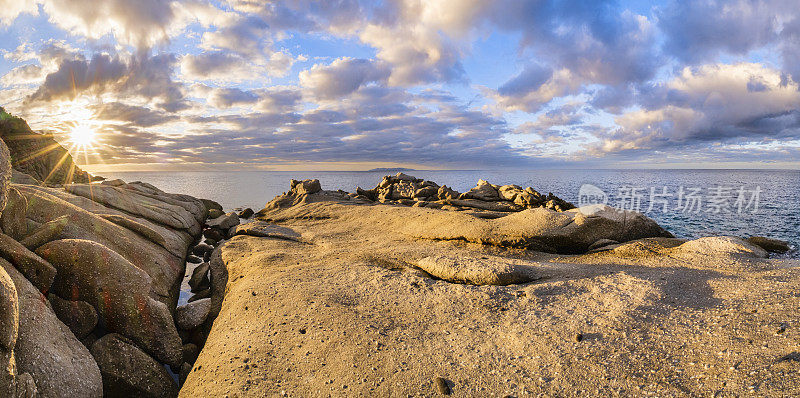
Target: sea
{"x":688,"y":203}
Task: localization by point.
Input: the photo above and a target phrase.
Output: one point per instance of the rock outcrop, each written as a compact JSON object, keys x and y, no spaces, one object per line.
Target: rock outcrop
{"x":129,"y":372}
{"x":38,"y":155}
{"x":5,"y":175}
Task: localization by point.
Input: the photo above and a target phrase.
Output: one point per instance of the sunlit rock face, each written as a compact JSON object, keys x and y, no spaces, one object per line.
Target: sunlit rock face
{"x":5,"y":174}
{"x":38,"y":155}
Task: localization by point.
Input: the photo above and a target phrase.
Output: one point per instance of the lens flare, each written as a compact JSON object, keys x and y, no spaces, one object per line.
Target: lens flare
{"x":83,"y":135}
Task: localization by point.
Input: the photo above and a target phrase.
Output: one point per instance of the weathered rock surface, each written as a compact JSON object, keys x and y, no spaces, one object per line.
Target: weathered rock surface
{"x":60,"y":365}
{"x":199,"y":279}
{"x":79,"y":316}
{"x":46,"y":232}
{"x":264,"y":229}
{"x":192,"y":315}
{"x":5,"y":175}
{"x":478,"y":271}
{"x":91,"y":272}
{"x":129,"y":372}
{"x":224,"y":222}
{"x":305,"y":187}
{"x":9,"y":321}
{"x":723,"y":245}
{"x":12,"y":221}
{"x":38,"y":271}
{"x":769,"y":244}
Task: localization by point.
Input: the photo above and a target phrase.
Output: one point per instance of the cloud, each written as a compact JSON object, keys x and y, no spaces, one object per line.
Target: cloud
{"x":342,"y":77}
{"x":710,"y":104}
{"x":132,"y":115}
{"x":529,"y":90}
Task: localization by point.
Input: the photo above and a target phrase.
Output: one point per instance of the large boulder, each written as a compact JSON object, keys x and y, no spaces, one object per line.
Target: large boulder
{"x":60,"y":365}
{"x":305,"y":187}
{"x":478,"y":271}
{"x":91,"y":272}
{"x":568,"y":232}
{"x":9,"y":321}
{"x":37,"y":270}
{"x":483,"y":191}
{"x":224,"y":222}
{"x":5,"y":174}
{"x":723,"y":246}
{"x":129,"y":372}
{"x":79,"y":316}
{"x":12,"y":221}
{"x":190,"y":316}
{"x":769,"y":244}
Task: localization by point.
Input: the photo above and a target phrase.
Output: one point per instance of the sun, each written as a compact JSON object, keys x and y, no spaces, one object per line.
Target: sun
{"x":83,"y":135}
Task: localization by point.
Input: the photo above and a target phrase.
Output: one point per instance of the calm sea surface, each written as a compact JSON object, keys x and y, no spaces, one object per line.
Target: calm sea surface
{"x":713,"y":202}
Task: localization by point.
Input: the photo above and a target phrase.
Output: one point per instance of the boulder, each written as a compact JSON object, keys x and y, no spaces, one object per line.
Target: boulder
{"x":246,"y":213}
{"x":484,"y":205}
{"x":305,"y":187}
{"x":9,"y":321}
{"x":263,"y":229}
{"x":45,"y":233}
{"x":140,"y":228}
{"x":190,"y":316}
{"x":190,"y":353}
{"x":478,"y":271}
{"x":18,"y":177}
{"x":12,"y":221}
{"x":5,"y":175}
{"x":114,"y":183}
{"x":224,"y":222}
{"x":483,"y":191}
{"x":192,"y":259}
{"x":722,"y":246}
{"x":215,"y":213}
{"x":219,"y":282}
{"x":769,"y":244}
{"x":79,"y":316}
{"x":445,"y":193}
{"x":201,"y":249}
{"x":129,"y":372}
{"x":404,"y":190}
{"x":38,"y":271}
{"x":509,"y":192}
{"x":205,"y":293}
{"x":426,"y":191}
{"x":199,"y":279}
{"x":400,"y":176}
{"x":602,"y":244}
{"x":91,"y":272}
{"x":60,"y":365}
{"x":209,"y":205}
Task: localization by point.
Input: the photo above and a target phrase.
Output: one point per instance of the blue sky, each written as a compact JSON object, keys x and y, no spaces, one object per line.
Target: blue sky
{"x":348,"y":84}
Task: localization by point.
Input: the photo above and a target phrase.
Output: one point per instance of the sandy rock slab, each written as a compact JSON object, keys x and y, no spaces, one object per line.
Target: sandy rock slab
{"x":264,"y":229}
{"x":478,"y":270}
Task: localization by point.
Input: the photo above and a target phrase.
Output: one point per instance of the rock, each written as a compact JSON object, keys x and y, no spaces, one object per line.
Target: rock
{"x":264,"y":229}
{"x":484,"y":205}
{"x":404,"y":190}
{"x":9,"y":321}
{"x":426,"y":192}
{"x":114,"y":183}
{"x":18,"y":177}
{"x":723,"y":245}
{"x":305,"y":187}
{"x":445,"y":193}
{"x":601,"y":243}
{"x":215,"y":213}
{"x":224,"y":222}
{"x":5,"y":175}
{"x":79,"y":316}
{"x":193,"y":259}
{"x":90,"y":272}
{"x":477,"y":271}
{"x":140,"y":228}
{"x":26,"y":386}
{"x":184,"y":373}
{"x":201,"y":249}
{"x":219,"y":282}
{"x":12,"y":221}
{"x":213,"y":234}
{"x":509,"y":192}
{"x":45,"y":233}
{"x":129,"y":372}
{"x":483,"y":191}
{"x":404,"y":177}
{"x":370,"y":194}
{"x":246,"y":213}
{"x":441,"y":386}
{"x":60,"y":365}
{"x":578,"y":337}
{"x":199,"y":279}
{"x":190,"y":353}
{"x":206,"y":293}
{"x":231,"y":232}
{"x":190,"y":316}
{"x":38,"y":271}
{"x":209,"y":205}
{"x":769,"y":244}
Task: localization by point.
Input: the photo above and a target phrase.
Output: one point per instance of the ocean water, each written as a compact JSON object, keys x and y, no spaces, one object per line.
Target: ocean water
{"x":689,"y":203}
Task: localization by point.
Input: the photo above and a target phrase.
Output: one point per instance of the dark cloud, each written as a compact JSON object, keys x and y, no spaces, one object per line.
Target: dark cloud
{"x":133,"y":115}
{"x":531,"y":78}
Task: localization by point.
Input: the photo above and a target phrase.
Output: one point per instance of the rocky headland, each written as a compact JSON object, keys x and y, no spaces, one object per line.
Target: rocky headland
{"x":409,"y":288}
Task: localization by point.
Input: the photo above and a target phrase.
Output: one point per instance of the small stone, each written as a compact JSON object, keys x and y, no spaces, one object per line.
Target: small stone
{"x":578,"y":337}
{"x":442,"y":386}
{"x":246,"y":213}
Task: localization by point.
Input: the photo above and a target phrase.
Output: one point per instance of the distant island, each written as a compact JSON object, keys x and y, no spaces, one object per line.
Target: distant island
{"x":391,"y":169}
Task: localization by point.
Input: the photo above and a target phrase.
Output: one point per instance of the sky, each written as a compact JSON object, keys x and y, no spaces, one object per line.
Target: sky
{"x":427,"y":84}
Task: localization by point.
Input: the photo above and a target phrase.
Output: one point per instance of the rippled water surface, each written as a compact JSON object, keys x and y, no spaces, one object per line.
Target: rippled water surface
{"x":776,"y":215}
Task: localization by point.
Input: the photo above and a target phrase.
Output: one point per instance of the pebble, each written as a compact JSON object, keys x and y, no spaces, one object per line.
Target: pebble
{"x":441,"y":386}
{"x":578,"y":337}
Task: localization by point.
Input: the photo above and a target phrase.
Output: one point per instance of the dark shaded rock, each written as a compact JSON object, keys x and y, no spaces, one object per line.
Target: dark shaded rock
{"x":447,"y":193}
{"x":9,"y":320}
{"x":485,"y":205}
{"x":200,"y":295}
{"x":211,"y":205}
{"x":129,"y":372}
{"x":37,"y":270}
{"x":194,"y":259}
{"x":184,"y":373}
{"x":12,"y":220}
{"x":213,"y":234}
{"x":5,"y":175}
{"x":18,"y":177}
{"x":79,"y":316}
{"x":219,"y":281}
{"x":45,"y":233}
{"x":91,"y":272}
{"x":199,"y":279}
{"x":190,"y":316}
{"x":427,"y":191}
{"x":190,"y":353}
{"x":246,"y":213}
{"x":770,"y":245}
{"x":601,"y":244}
{"x":214,"y":213}
{"x":51,"y":164}
{"x":224,"y":222}
{"x":370,"y":194}
{"x":442,"y":386}
{"x":60,"y":365}
{"x":201,"y":249}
